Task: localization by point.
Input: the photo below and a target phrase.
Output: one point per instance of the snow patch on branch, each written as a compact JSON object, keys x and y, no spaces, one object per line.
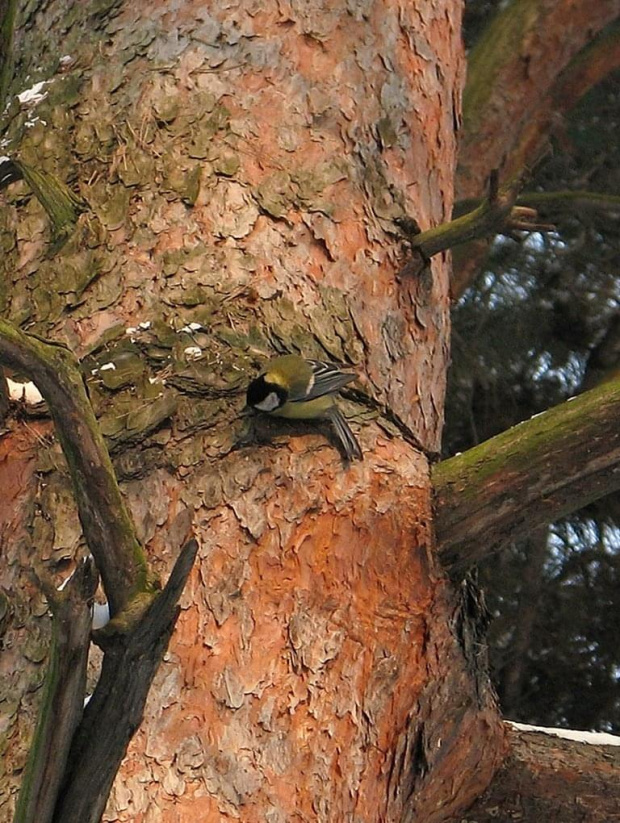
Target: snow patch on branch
{"x":101,"y":614}
{"x":595,"y":738}
{"x":34,"y":94}
{"x":193,"y":353}
{"x":27,"y":392}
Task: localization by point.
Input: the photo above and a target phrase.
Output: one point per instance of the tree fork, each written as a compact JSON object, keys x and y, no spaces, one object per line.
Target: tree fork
{"x":84,"y":758}
{"x":116,"y":708}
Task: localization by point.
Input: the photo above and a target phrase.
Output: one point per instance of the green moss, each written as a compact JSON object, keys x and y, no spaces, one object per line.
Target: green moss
{"x":227,"y":164}
{"x":138,"y":170}
{"x":112,"y":210}
{"x":514,"y":449}
{"x":128,"y":371}
{"x":149,"y":416}
{"x":276,"y":194}
{"x":7,"y":27}
{"x":387,"y":132}
{"x":190,"y":191}
{"x":61,"y":204}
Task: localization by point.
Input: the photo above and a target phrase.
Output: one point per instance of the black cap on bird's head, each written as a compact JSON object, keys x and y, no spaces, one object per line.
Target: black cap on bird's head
{"x":265,"y":396}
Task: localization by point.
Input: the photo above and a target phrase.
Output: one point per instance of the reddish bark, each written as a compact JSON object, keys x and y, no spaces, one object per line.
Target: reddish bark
{"x":244,"y":169}
{"x":516,"y":88}
{"x":547,"y":778}
{"x":320,"y":668}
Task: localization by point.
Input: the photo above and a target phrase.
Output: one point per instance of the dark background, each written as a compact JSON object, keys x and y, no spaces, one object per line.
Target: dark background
{"x":541,"y":323}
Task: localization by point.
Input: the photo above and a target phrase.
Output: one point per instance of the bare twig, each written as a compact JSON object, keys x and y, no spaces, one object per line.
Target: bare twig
{"x":498,"y":213}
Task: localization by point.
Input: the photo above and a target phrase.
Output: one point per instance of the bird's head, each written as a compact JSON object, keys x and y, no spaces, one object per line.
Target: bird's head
{"x":266,"y":395}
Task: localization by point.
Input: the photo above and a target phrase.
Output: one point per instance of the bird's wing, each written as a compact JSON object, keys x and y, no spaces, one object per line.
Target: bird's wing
{"x":352,"y":448}
{"x":326,"y":379}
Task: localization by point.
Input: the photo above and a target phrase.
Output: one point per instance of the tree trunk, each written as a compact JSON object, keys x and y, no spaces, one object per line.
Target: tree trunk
{"x":243,"y":169}
{"x":522,"y":51}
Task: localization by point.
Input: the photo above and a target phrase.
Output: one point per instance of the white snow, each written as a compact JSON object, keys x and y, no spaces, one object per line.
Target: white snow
{"x":34,"y":94}
{"x":193,"y":352}
{"x":27,"y":392}
{"x":146,"y":324}
{"x":65,"y":581}
{"x":595,"y":738}
{"x":107,"y":367}
{"x":101,"y":615}
{"x":191,"y":327}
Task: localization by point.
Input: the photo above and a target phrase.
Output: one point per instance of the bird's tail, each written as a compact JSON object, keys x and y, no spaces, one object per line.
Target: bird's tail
{"x":348,"y":440}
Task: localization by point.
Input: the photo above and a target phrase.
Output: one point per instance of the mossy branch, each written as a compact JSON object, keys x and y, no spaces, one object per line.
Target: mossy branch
{"x":62,"y":206}
{"x":528,"y":476}
{"x":75,"y":755}
{"x":116,"y":708}
{"x":498,"y":213}
{"x":556,"y":203}
{"x":107,"y":525}
{"x":7,"y":28}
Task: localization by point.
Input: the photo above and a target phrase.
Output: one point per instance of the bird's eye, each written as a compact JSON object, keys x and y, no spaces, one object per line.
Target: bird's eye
{"x":271,"y":402}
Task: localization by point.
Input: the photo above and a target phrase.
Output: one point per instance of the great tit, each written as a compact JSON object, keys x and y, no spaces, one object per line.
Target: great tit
{"x":301,"y":389}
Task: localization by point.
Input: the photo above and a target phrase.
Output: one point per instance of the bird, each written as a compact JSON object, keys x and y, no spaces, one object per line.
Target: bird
{"x":299,"y":389}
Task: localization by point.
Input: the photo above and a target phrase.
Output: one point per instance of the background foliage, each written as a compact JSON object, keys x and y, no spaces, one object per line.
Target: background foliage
{"x":540,"y":324}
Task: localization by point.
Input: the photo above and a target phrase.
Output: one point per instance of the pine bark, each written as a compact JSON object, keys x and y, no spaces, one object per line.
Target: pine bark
{"x":547,"y":778}
{"x":527,"y":477}
{"x":243,"y":170}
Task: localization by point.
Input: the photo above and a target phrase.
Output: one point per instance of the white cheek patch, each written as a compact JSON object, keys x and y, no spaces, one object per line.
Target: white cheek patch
{"x":271,"y":402}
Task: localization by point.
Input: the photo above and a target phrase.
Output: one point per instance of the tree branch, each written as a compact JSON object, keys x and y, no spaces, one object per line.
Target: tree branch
{"x":63,"y":207}
{"x":107,"y":526}
{"x":547,"y":778}
{"x":498,"y":213}
{"x":528,"y":476}
{"x":116,"y":708}
{"x":507,"y":112}
{"x":556,"y":203}
{"x":8,"y":9}
{"x":63,"y":699}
